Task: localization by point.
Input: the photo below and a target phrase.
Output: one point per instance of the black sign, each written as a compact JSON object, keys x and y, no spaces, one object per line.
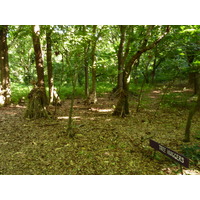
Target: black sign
{"x":172,"y":154}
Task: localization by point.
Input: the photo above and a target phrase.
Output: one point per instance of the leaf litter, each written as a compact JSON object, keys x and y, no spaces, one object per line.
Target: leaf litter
{"x":103,"y":144}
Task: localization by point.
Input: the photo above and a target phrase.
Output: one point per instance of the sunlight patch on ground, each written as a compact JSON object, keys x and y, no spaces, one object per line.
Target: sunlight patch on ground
{"x":185,"y":172}
{"x":156,"y":91}
{"x":67,"y":117}
{"x":191,"y":172}
{"x":18,"y":106}
{"x":101,"y":110}
{"x":105,"y":110}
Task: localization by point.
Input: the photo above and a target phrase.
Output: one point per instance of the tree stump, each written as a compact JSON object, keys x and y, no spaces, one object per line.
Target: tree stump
{"x":37,"y":104}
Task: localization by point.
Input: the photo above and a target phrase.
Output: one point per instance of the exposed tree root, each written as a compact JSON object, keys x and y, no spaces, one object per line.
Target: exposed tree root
{"x":37,"y":104}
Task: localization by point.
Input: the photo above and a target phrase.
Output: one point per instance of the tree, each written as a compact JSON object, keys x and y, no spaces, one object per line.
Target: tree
{"x":194,"y":72}
{"x":129,"y":58}
{"x":95,"y":38}
{"x":49,"y":64}
{"x":5,"y":93}
{"x":86,"y":47}
{"x":53,"y":96}
{"x":37,"y":97}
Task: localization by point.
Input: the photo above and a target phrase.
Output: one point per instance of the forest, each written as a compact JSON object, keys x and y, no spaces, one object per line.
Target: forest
{"x":87,"y":99}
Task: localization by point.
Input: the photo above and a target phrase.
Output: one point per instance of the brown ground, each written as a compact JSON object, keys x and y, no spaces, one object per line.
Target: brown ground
{"x":103,"y":144}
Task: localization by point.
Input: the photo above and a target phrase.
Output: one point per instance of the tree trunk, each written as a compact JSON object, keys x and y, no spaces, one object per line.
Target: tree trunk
{"x":53,"y":96}
{"x":86,"y":69}
{"x":120,"y":57}
{"x":192,"y":71}
{"x":86,"y":79}
{"x":5,"y":93}
{"x":197,"y":83}
{"x":135,"y":71}
{"x":70,"y":130}
{"x":93,"y":95}
{"x":38,"y":55}
{"x":37,"y":98}
{"x":122,"y":107}
{"x":49,"y":65}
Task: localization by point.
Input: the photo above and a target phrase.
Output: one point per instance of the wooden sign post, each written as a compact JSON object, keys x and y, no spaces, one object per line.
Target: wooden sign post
{"x":182,"y":160}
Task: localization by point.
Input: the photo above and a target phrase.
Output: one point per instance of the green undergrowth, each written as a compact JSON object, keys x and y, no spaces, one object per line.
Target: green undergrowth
{"x":65,"y":92}
{"x":18,"y":91}
{"x":178,"y":100}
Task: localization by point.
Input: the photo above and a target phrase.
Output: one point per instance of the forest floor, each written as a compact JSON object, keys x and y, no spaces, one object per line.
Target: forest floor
{"x":103,"y":144}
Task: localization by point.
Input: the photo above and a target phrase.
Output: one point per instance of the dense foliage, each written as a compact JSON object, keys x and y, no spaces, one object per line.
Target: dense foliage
{"x":176,"y":56}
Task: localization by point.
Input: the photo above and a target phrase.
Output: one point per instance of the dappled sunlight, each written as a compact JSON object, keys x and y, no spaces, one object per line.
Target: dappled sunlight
{"x":102,"y":110}
{"x":191,"y":172}
{"x":2,"y":100}
{"x":19,"y":106}
{"x":67,"y":117}
{"x":156,"y":92}
{"x":183,"y":90}
{"x":105,"y":110}
{"x":177,"y":171}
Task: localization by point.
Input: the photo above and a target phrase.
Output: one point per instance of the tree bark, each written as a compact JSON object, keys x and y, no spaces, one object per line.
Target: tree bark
{"x":38,"y":55}
{"x":37,"y":97}
{"x":49,"y":65}
{"x":5,"y":78}
{"x":93,"y":94}
{"x":155,"y":66}
{"x":53,"y":95}
{"x":86,"y":69}
{"x":122,"y":107}
{"x":120,"y":57}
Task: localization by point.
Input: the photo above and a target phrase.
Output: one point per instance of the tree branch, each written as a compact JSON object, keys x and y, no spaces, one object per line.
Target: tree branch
{"x":145,"y":48}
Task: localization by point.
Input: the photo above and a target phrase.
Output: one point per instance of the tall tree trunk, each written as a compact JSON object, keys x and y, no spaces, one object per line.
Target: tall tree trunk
{"x":70,"y":130}
{"x":37,"y":97}
{"x":135,"y":71}
{"x":197,"y":83}
{"x":120,"y":56}
{"x":5,"y":92}
{"x":193,"y":73}
{"x":49,"y":65}
{"x":86,"y":68}
{"x":155,"y":66}
{"x":38,"y":55}
{"x":93,"y":94}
